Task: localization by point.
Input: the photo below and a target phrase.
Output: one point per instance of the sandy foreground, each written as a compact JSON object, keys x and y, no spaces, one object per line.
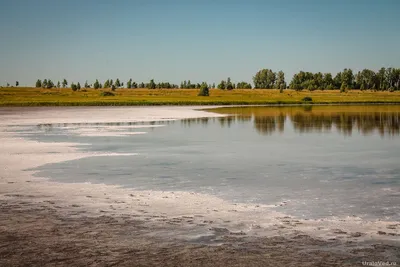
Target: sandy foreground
{"x":47,"y":223}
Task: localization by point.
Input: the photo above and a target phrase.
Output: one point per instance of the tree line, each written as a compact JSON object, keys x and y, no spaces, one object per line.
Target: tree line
{"x":385,"y":79}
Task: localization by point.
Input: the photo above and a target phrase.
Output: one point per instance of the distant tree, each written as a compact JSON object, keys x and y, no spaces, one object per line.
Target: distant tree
{"x":243,"y":85}
{"x":280,"y":81}
{"x":78,"y":86}
{"x":264,"y":79}
{"x":86,"y":85}
{"x":392,"y":79}
{"x":347,"y":79}
{"x":222,"y":85}
{"x":113,"y":87}
{"x":151,"y":85}
{"x":129,"y":83}
{"x":74,"y":87}
{"x":64,"y":83}
{"x":381,"y":79}
{"x":327,"y":81}
{"x":111,"y":82}
{"x":58,"y":84}
{"x":337,"y":81}
{"x":8,"y":85}
{"x":96,"y":84}
{"x":229,"y":85}
{"x":50,"y":84}
{"x":117,"y":83}
{"x":107,"y":84}
{"x":38,"y":83}
{"x":134,"y":85}
{"x":204,"y":90}
{"x":184,"y":85}
{"x":16,"y":83}
{"x":44,"y":83}
{"x":213,"y":85}
{"x":142,"y":85}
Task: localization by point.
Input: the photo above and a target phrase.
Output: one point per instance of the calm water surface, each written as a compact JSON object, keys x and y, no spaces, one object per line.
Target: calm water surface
{"x":321,"y":161}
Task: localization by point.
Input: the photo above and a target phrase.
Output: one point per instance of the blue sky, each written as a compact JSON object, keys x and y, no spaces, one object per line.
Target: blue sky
{"x":197,"y":40}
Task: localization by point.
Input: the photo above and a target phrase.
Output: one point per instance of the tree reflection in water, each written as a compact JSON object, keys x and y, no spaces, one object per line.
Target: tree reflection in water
{"x":345,"y":119}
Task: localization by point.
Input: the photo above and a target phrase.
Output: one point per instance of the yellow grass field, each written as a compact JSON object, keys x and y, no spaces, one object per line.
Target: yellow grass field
{"x":28,"y":96}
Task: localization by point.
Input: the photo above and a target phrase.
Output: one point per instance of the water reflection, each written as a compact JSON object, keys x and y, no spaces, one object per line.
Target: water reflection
{"x":364,"y":119}
{"x":384,"y":120}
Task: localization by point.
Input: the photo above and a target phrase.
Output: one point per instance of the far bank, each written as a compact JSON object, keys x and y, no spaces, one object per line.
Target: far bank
{"x":28,"y":96}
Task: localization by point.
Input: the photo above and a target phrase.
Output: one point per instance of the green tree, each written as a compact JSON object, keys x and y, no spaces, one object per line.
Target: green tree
{"x":58,"y":84}
{"x":96,"y":84}
{"x":222,"y":85}
{"x":280,"y":81}
{"x":327,"y":82}
{"x":17,"y":83}
{"x":243,"y":85}
{"x":129,"y":84}
{"x":264,"y":79}
{"x":117,"y":83}
{"x":107,"y":84}
{"x":337,"y":81}
{"x":204,"y":90}
{"x":381,"y":79}
{"x":111,"y":82}
{"x":64,"y":83}
{"x":142,"y":85}
{"x":50,"y":84}
{"x":44,"y":83}
{"x":184,"y":85}
{"x":86,"y":85}
{"x":229,"y":85}
{"x":318,"y":80}
{"x":113,"y":87}
{"x":74,"y":87}
{"x":347,"y":79}
{"x":38,"y":83}
{"x":78,"y":86}
{"x":302,"y":80}
{"x":151,"y":85}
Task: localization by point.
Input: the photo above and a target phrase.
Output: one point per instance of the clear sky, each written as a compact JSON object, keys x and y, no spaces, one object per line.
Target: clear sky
{"x":197,"y":40}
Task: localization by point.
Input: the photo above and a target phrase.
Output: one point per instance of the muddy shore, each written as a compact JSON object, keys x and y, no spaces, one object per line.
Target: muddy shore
{"x":40,"y":235}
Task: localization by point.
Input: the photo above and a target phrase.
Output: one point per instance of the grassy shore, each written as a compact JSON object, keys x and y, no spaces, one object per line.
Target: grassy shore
{"x":27,"y":96}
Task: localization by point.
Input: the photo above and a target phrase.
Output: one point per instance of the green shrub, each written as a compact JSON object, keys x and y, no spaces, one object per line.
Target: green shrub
{"x":107,"y":93}
{"x":74,"y":87}
{"x":204,"y":90}
{"x":307,"y":99}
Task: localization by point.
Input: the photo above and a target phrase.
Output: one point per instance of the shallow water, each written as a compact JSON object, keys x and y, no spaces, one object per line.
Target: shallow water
{"x":311,"y":162}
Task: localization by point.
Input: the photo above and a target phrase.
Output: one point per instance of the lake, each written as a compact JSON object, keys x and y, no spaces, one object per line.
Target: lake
{"x":308,"y":161}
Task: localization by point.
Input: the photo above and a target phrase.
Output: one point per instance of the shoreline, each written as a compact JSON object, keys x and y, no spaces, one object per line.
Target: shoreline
{"x":183,"y":218}
{"x":205,"y":104}
{"x":27,"y":96}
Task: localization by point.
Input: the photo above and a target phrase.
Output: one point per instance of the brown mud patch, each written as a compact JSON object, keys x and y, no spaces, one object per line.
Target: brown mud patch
{"x":42,"y":235}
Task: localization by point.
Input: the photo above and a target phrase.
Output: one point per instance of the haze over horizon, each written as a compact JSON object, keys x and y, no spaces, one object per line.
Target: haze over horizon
{"x":200,"y":41}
